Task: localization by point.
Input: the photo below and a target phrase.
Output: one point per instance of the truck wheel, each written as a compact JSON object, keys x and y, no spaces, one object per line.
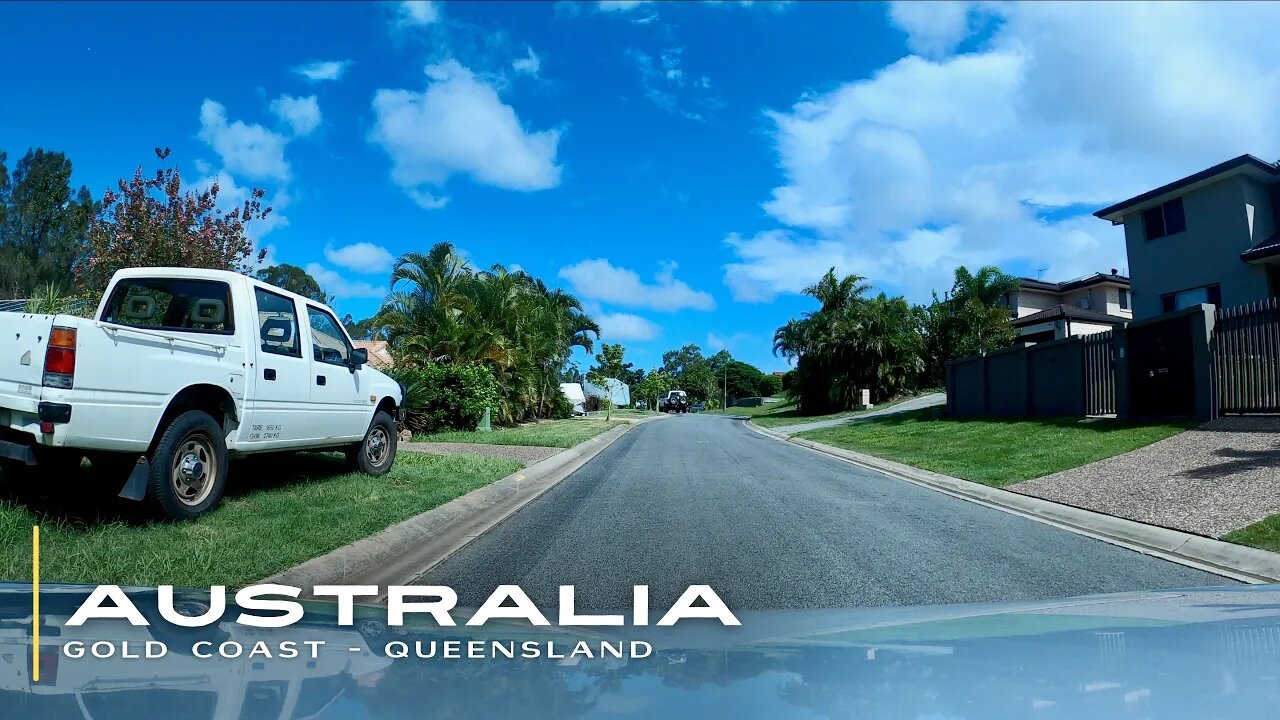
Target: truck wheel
{"x":375,"y":454}
{"x":188,"y":467}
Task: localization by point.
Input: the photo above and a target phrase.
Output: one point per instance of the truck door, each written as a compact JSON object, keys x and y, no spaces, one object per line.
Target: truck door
{"x":280,"y":406}
{"x":340,"y":407}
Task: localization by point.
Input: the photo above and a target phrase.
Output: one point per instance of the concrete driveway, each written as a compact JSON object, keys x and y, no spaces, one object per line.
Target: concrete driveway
{"x":916,"y":403}
{"x":702,"y":499}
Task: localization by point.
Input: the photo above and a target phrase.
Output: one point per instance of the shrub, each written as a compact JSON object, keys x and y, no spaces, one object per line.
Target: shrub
{"x":770,"y":385}
{"x":561,"y":407}
{"x":446,"y":397}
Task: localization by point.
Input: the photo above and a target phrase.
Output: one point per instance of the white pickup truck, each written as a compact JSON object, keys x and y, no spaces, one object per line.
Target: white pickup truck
{"x":180,"y":370}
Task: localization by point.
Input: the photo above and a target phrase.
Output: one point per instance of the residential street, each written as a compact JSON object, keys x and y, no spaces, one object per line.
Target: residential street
{"x":699,"y":499}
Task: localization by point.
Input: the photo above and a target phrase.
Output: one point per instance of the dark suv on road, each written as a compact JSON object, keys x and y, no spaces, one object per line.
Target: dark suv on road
{"x":676,"y":401}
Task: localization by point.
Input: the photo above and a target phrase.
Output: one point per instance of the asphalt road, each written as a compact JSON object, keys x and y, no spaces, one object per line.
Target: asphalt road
{"x":699,"y":499}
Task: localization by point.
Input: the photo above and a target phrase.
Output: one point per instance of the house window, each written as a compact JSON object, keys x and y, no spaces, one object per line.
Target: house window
{"x":1165,"y":219}
{"x":1124,"y":298}
{"x":1211,"y":294}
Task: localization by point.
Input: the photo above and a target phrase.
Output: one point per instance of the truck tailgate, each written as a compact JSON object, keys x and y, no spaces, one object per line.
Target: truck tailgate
{"x":23,"y":338}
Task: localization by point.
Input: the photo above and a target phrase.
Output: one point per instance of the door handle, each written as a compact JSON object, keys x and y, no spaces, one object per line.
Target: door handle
{"x":320,"y":380}
{"x":268,"y":373}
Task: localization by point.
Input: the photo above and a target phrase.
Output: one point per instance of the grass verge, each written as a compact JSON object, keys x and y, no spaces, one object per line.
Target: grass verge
{"x":1264,"y":534}
{"x":994,"y":451}
{"x":277,"y":512}
{"x":785,"y":413}
{"x":551,"y":433}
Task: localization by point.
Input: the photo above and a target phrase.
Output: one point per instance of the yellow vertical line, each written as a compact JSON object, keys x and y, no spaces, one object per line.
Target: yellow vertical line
{"x":35,"y":603}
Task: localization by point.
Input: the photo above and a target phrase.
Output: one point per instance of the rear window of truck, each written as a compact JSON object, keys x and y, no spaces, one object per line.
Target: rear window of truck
{"x":196,"y":306}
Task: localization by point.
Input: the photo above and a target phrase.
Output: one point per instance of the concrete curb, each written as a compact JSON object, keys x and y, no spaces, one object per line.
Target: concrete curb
{"x":1237,"y":562}
{"x":406,"y":550}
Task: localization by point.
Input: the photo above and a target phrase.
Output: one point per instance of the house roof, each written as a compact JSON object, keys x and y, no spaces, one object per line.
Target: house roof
{"x":1070,"y":312}
{"x":1269,"y":247}
{"x":1242,"y":164}
{"x":379,"y":356}
{"x":1076,"y":284}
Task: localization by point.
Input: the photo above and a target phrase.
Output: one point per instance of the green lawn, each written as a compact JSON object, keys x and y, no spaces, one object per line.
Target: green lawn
{"x":785,"y":413}
{"x":551,"y":433}
{"x":277,"y":513}
{"x":1263,"y":534}
{"x":994,"y":451}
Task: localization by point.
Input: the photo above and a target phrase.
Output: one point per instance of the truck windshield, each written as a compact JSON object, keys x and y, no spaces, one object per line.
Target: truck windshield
{"x":201,"y":306}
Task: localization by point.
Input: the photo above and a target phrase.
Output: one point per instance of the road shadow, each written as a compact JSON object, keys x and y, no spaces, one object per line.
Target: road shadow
{"x":89,"y":497}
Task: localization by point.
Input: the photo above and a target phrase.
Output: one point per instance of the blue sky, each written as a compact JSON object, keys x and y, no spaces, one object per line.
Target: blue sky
{"x":684,"y":168}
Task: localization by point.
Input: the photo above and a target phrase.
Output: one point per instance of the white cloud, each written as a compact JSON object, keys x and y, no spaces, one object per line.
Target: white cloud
{"x":776,"y":262}
{"x":301,"y":113}
{"x":600,"y":280}
{"x":417,"y":13}
{"x":251,"y":150}
{"x":999,"y":156}
{"x":620,"y":5}
{"x":232,"y":195}
{"x":732,"y":343}
{"x":323,"y":70}
{"x":529,"y":64}
{"x":459,"y":126}
{"x":362,"y":257}
{"x":339,"y":287}
{"x":933,"y":28}
{"x":625,"y":326}
{"x":666,"y":84}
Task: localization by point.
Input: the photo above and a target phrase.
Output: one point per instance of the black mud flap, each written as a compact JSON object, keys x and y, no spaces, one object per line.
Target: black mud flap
{"x":135,"y":488}
{"x":14,"y":451}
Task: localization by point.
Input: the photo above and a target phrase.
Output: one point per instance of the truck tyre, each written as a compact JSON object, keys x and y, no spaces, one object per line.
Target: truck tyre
{"x":188,"y":467}
{"x":375,"y":454}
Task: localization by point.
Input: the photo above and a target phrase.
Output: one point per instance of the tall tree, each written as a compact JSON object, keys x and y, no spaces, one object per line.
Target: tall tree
{"x":610,"y":364}
{"x":441,"y":310}
{"x":972,"y":318}
{"x":150,"y":221}
{"x":42,"y":224}
{"x":738,"y":380}
{"x":366,"y":329}
{"x":850,"y":343}
{"x":295,"y":280}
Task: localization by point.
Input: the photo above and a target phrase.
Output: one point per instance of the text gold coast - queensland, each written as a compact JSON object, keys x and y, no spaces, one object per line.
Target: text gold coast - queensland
{"x":276,"y":606}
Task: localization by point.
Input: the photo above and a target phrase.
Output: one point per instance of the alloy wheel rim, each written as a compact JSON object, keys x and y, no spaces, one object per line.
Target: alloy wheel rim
{"x":376,"y":449}
{"x":194,"y":468}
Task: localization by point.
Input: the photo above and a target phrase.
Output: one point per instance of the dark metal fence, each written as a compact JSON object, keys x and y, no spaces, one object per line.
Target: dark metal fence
{"x":1100,"y":374}
{"x":1247,"y":357}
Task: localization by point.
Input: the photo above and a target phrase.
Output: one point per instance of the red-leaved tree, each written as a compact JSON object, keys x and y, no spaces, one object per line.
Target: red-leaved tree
{"x":152,"y":222}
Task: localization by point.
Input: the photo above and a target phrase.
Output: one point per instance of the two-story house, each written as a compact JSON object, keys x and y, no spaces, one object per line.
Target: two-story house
{"x":1210,"y":237}
{"x":1052,"y":310}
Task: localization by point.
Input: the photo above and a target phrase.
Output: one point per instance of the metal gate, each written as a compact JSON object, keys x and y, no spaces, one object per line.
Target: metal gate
{"x":1162,"y":379}
{"x":1246,"y":350}
{"x":1100,"y":374}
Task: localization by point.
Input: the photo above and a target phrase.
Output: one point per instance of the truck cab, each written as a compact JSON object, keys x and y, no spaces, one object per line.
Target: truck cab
{"x":196,"y":366}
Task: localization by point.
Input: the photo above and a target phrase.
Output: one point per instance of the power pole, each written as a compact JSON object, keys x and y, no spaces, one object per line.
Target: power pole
{"x":725,"y":406}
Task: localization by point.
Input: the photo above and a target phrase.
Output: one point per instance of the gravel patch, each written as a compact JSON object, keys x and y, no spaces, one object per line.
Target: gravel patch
{"x":527,"y":454}
{"x":1209,"y":480}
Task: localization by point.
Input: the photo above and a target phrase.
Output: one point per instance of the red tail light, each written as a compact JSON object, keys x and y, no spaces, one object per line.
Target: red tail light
{"x":60,"y":358}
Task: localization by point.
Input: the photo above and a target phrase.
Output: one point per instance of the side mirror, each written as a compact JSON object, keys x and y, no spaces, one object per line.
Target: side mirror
{"x":359,"y":356}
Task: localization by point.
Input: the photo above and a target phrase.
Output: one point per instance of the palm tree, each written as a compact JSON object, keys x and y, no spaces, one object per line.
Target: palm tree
{"x":442,"y":311}
{"x":848,"y":344}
